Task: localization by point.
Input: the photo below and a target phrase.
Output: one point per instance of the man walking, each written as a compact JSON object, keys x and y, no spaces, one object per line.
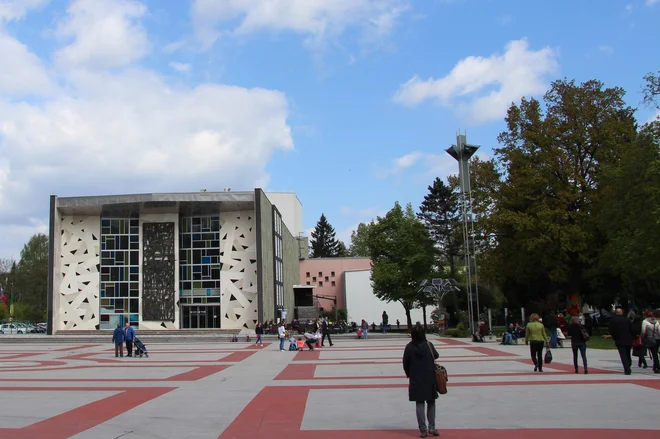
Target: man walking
{"x":118,"y":340}
{"x":386,"y":321}
{"x":129,"y":336}
{"x":325,"y":329}
{"x":552,"y":324}
{"x":621,"y":331}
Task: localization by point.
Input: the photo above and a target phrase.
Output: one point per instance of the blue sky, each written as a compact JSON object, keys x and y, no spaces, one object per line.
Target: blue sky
{"x":348,"y":103}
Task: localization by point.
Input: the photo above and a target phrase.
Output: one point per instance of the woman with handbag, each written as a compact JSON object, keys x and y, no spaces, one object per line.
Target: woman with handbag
{"x":419,"y":366}
{"x":579,"y":338}
{"x":639,"y":350}
{"x":651,"y":337}
{"x":536,"y":337}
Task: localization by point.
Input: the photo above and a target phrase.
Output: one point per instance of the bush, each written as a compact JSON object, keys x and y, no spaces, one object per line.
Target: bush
{"x":459,"y":331}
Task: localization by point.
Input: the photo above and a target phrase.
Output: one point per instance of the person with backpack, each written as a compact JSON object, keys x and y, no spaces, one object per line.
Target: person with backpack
{"x":651,"y":337}
{"x":579,"y":338}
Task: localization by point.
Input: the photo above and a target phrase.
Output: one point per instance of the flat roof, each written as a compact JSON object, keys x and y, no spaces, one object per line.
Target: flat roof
{"x":166,"y":202}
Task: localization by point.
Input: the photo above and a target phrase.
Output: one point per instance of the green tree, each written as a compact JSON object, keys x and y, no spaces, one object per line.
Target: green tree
{"x":629,"y":216}
{"x":359,"y":241}
{"x":552,"y":156}
{"x":31,"y":274}
{"x":402,"y":255}
{"x":324,"y":243}
{"x":652,"y":89}
{"x":440,"y":214}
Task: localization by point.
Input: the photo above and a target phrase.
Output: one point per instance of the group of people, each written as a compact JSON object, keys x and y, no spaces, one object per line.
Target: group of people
{"x":121,"y":336}
{"x":632,"y":335}
{"x":313,"y":337}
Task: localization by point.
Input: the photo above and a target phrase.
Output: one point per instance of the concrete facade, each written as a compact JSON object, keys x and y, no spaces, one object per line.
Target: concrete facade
{"x":363,"y":304}
{"x":210,"y":254}
{"x":326,"y":275}
{"x":290,"y":208}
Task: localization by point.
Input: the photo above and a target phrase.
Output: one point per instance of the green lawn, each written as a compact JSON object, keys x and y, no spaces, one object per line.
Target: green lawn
{"x":598,"y":342}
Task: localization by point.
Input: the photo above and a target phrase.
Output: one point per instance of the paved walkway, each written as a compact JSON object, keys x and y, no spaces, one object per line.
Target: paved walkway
{"x":355,"y":389}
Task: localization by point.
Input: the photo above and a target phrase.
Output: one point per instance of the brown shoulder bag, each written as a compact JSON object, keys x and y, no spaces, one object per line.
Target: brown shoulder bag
{"x":440,"y":373}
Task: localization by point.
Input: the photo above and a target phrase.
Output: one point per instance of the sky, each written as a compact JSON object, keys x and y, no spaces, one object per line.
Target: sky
{"x":349,"y":103}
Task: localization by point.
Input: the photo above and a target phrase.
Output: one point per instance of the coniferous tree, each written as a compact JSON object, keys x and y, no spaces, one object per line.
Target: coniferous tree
{"x":324,"y":244}
{"x":440,"y":214}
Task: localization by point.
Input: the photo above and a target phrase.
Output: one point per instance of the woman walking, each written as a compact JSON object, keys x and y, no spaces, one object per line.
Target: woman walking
{"x":578,"y":343}
{"x":259,"y":330}
{"x":536,"y":337}
{"x":639,"y":350}
{"x":281,"y":334}
{"x":418,"y":363}
{"x":651,"y":337}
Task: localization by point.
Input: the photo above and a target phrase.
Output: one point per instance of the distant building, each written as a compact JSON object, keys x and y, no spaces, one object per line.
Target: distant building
{"x":363,"y":304}
{"x":173,"y":261}
{"x":326,"y":274}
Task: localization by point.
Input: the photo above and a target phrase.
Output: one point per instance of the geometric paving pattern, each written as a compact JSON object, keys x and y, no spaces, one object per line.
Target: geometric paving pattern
{"x":355,"y":389}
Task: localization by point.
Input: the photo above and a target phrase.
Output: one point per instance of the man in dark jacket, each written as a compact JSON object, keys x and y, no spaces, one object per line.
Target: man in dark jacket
{"x":118,"y":340}
{"x":621,"y":331}
{"x":325,"y":329}
{"x":551,"y":323}
{"x":386,"y":321}
{"x":129,"y":336}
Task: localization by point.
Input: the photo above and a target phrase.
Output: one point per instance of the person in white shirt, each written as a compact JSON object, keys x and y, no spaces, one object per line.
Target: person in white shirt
{"x":651,"y":337}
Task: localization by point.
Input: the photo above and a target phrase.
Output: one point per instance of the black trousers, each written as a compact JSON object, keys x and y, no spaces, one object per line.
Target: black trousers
{"x":326,"y":334}
{"x":129,"y":347}
{"x":654,"y":355}
{"x":626,"y":358}
{"x":536,"y":350}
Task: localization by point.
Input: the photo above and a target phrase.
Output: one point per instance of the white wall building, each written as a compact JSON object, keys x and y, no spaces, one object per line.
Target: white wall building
{"x":361,"y":302}
{"x":290,"y":208}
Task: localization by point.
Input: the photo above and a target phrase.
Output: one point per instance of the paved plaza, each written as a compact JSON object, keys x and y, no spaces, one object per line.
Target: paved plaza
{"x":355,"y":389}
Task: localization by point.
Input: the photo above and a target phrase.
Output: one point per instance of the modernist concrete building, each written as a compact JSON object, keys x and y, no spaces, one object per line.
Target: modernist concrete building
{"x":173,"y":261}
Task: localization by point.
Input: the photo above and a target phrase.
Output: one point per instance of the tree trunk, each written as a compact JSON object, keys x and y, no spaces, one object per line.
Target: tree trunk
{"x":408,"y":318}
{"x":424,"y":315}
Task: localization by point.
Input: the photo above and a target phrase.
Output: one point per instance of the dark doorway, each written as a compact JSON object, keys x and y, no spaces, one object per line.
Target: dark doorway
{"x":200,"y":317}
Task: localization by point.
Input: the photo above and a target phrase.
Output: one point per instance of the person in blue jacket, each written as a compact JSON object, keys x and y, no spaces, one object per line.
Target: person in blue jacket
{"x":118,"y":340}
{"x":129,"y":336}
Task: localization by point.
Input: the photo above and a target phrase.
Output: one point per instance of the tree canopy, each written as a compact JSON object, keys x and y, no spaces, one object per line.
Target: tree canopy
{"x":402,"y":255}
{"x":324,"y":244}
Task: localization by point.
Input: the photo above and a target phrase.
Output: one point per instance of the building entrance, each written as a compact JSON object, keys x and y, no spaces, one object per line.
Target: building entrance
{"x":200,"y":317}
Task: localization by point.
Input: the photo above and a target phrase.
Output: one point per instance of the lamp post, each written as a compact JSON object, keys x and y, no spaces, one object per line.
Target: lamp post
{"x":440,"y":288}
{"x":463,"y":152}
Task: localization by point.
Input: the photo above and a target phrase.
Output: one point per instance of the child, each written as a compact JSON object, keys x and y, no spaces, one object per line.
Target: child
{"x":300,"y":344}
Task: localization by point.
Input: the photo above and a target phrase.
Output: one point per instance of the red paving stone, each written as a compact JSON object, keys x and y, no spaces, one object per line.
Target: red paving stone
{"x":277,"y":410}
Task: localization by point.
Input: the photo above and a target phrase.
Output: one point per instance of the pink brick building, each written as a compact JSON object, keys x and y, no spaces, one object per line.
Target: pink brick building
{"x":327,"y":275}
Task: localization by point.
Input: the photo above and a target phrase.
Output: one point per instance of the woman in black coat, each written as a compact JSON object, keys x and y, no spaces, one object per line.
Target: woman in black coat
{"x":418,"y":363}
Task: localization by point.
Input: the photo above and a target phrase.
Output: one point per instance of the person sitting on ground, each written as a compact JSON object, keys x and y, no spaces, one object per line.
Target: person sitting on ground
{"x":300,"y":344}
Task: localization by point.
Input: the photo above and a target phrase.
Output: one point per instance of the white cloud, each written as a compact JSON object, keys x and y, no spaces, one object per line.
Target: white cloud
{"x":105,"y":33}
{"x":123,"y":131}
{"x":482,"y":89}
{"x":629,"y":8}
{"x":424,"y":166}
{"x":315,"y":19}
{"x":180,"y":67}
{"x":652,"y":2}
{"x":16,"y":9}
{"x":22,"y":72}
{"x":607,"y":50}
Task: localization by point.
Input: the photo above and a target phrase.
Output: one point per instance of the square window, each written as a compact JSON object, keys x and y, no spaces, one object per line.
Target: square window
{"x":333,"y":284}
{"x":314,"y":279}
{"x":332,"y":274}
{"x":320,"y":274}
{"x":327,"y":278}
{"x":320,"y":284}
{"x":307,"y":274}
{"x":308,"y":283}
